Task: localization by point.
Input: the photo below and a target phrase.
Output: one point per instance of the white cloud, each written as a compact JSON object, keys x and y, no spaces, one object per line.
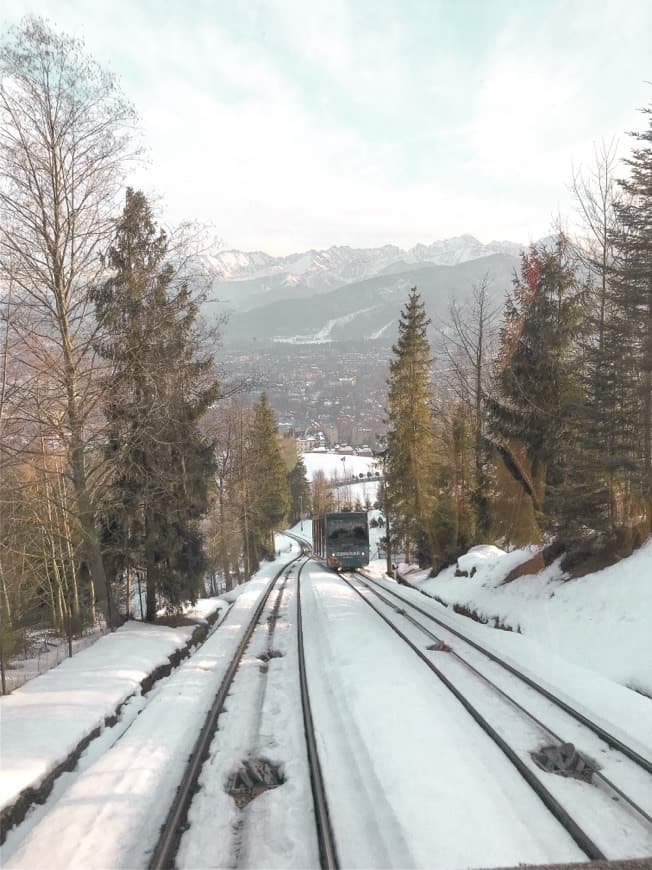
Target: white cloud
{"x":235,"y":140}
{"x":347,"y":44}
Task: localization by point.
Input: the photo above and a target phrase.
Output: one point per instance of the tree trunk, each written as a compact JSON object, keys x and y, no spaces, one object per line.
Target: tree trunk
{"x":150,"y":598}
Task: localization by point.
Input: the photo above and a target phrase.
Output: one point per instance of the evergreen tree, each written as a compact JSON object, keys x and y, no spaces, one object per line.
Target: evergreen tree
{"x":410,"y":440}
{"x":159,"y":387}
{"x":538,"y":389}
{"x":271,"y":499}
{"x":631,"y":327}
{"x":300,"y":493}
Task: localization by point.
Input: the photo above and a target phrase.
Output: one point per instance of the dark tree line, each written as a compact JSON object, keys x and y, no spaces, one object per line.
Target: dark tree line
{"x":157,"y":388}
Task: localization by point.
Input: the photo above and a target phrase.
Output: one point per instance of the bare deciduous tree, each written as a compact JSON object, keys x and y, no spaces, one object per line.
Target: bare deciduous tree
{"x":597,"y":195}
{"x":468,"y":345}
{"x":65,"y":137}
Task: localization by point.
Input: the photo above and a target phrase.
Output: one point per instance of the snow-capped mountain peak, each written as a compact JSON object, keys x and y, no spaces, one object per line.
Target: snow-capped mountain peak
{"x":341,"y":264}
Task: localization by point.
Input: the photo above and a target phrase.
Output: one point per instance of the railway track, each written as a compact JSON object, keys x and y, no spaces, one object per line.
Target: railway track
{"x":610,"y":739}
{"x":584,"y":840}
{"x":164,"y":853}
{"x":325,"y":836}
{"x":176,"y":823}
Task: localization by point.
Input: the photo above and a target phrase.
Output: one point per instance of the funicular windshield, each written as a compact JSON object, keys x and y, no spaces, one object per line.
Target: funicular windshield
{"x":346,"y":532}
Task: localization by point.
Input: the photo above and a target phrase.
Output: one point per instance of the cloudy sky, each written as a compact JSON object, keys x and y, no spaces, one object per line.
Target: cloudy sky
{"x":291,"y":124}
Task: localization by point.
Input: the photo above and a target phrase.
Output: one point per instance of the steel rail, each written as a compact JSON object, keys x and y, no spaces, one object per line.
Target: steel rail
{"x":541,"y":725}
{"x":609,"y":739}
{"x":325,"y":836}
{"x":167,"y":846}
{"x":580,"y":837}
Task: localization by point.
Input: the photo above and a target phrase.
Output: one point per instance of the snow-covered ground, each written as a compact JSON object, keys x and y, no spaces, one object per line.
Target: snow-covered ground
{"x":611,"y":825}
{"x":263,"y":720}
{"x":342,"y":471}
{"x":619,"y":710}
{"x":338,"y":465}
{"x":408,"y":772}
{"x":48,"y":717}
{"x":45,"y":651}
{"x":623,"y":711}
{"x":110,"y":813}
{"x":602,"y":621}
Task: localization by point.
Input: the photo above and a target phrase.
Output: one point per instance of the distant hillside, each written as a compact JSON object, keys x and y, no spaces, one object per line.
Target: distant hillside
{"x":244,"y":280}
{"x":369,"y":309}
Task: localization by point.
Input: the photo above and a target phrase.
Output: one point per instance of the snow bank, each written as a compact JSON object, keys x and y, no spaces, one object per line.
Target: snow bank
{"x":204,"y":608}
{"x":110,"y":815}
{"x":303,"y":530}
{"x":46,"y":719}
{"x":602,"y":621}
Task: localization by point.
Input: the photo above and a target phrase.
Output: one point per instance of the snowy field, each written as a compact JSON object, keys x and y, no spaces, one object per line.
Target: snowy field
{"x":340,"y":466}
{"x":334,"y":469}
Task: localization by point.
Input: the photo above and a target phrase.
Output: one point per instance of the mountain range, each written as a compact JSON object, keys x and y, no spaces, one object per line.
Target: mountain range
{"x":344,"y":293}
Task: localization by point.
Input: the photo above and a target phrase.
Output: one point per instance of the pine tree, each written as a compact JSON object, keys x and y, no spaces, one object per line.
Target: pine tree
{"x":631,"y":326}
{"x":160,"y":386}
{"x":538,"y":388}
{"x":410,"y":440}
{"x":271,"y":499}
{"x":300,"y":494}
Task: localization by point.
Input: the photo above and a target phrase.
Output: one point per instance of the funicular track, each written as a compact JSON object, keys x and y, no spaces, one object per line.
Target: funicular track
{"x":325,"y":836}
{"x":566,"y":819}
{"x":167,"y":846}
{"x":610,"y":739}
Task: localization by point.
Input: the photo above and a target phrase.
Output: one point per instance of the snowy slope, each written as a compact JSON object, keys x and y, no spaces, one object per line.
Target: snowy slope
{"x":602,"y":621}
{"x":358,"y":309}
